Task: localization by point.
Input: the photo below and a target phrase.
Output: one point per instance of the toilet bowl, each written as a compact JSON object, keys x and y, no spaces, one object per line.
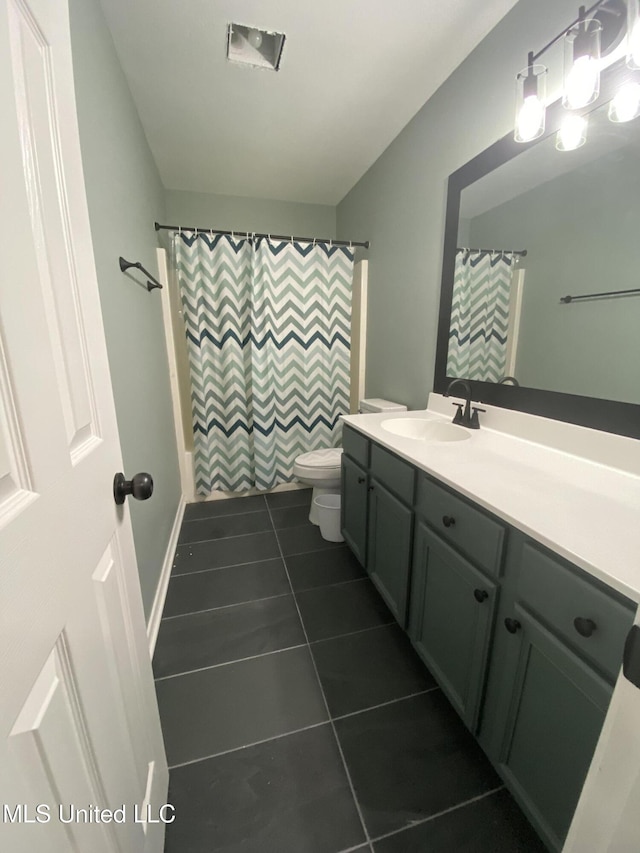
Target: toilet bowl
{"x":319,"y":469}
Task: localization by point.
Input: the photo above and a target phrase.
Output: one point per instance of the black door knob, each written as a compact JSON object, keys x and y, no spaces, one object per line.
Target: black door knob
{"x":480,"y":595}
{"x":512,"y":625}
{"x":141,"y":487}
{"x":584,"y":627}
{"x":448,"y":520}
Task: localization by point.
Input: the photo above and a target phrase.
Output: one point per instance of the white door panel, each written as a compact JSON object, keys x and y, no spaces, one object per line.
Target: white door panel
{"x":78,"y":717}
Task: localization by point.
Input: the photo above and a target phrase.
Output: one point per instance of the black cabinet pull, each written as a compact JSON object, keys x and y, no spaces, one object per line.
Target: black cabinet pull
{"x":448,"y":520}
{"x":370,"y":489}
{"x":361,"y":479}
{"x":512,"y":625}
{"x":584,"y":627}
{"x":480,"y":595}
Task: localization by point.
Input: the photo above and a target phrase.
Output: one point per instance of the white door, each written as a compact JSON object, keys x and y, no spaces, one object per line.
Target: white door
{"x":79,"y":725}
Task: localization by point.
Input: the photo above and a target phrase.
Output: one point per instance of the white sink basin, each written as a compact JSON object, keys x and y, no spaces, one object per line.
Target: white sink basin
{"x":425,"y":430}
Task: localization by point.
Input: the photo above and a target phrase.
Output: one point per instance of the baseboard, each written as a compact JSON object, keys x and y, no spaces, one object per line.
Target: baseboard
{"x":153,"y":625}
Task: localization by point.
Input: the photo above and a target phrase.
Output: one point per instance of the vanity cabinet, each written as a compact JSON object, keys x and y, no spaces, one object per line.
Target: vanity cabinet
{"x":526,"y":646}
{"x":390,"y":527}
{"x":377,"y":516}
{"x":354,"y":507}
{"x":452,"y":610}
{"x":552,"y":711}
{"x":556,"y":654}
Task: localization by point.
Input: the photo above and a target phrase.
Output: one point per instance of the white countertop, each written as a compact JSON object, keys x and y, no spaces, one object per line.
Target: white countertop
{"x":586,"y":511}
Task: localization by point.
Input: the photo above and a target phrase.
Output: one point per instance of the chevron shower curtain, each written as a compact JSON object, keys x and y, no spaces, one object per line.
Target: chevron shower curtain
{"x":268,"y":333}
{"x":480,"y":316}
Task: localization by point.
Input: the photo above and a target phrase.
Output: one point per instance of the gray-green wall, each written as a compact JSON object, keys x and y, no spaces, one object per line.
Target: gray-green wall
{"x":206,"y":210}
{"x":125,"y":196}
{"x":581,"y":235}
{"x":399,"y":204}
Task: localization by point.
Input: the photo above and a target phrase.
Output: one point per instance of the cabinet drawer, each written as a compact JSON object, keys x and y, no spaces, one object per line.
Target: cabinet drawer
{"x":559,"y":595}
{"x":396,"y":475}
{"x":356,"y":446}
{"x":465,"y":526}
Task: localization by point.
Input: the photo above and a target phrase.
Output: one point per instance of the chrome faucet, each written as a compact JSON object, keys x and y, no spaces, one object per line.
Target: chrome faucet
{"x":468,"y":418}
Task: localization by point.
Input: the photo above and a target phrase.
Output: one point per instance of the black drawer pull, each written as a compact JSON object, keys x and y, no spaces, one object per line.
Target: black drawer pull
{"x":448,"y":520}
{"x":512,"y":625}
{"x":584,"y":627}
{"x":361,"y":479}
{"x":370,"y":489}
{"x":480,"y":595}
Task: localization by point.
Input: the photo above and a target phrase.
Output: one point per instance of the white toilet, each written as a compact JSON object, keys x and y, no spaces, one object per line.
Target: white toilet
{"x":320,"y":469}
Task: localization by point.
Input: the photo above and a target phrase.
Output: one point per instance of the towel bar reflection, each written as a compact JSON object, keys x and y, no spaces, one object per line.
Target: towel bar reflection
{"x":152,"y":282}
{"x":567,"y":299}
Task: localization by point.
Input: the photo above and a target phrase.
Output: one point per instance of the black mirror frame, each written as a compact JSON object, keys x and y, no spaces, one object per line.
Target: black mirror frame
{"x":608,"y":415}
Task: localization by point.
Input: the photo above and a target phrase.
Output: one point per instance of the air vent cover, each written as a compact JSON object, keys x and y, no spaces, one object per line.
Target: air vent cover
{"x":254,"y":47}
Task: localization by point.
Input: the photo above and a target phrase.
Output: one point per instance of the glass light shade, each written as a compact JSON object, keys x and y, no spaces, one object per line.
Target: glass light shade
{"x":572,"y":133}
{"x":530,"y":103}
{"x":582,"y":64}
{"x":633,"y":34}
{"x":626,"y":104}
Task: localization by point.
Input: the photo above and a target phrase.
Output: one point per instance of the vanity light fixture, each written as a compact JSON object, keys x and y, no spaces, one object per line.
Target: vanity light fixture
{"x":600,"y":26}
{"x":582,"y":62}
{"x":530,"y":101}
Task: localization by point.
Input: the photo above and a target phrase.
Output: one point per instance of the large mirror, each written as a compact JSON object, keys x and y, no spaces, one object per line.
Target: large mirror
{"x":533,"y":237}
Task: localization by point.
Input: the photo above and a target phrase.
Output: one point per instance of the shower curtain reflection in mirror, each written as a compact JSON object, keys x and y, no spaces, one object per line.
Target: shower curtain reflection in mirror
{"x":485,"y":316}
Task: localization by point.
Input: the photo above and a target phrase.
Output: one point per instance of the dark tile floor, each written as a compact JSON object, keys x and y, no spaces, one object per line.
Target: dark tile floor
{"x":297,"y":717}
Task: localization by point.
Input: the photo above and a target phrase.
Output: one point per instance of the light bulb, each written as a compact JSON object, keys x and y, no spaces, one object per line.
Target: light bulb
{"x":254,"y":37}
{"x":530,"y":122}
{"x":626,"y":104}
{"x":530,"y":102}
{"x":572,"y":133}
{"x":582,"y":82}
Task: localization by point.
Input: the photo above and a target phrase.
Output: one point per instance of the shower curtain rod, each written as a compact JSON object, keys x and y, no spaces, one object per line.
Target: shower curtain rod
{"x":521,"y":252}
{"x":285,"y":237}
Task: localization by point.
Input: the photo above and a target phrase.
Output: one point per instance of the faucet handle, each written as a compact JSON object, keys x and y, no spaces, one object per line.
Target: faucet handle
{"x":458,"y":417}
{"x":475,"y":421}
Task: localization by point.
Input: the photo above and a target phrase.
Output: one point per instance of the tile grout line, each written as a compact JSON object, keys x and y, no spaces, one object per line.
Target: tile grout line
{"x":227,"y":566}
{"x":264,"y":598}
{"x":385,"y":704}
{"x":226,"y":538}
{"x":248,"y":745}
{"x":275,"y":651}
{"x":225,"y":606}
{"x":350,"y":633}
{"x":328,"y":585}
{"x":221,"y":515}
{"x":413,"y":823}
{"x":249,"y":562}
{"x":229,"y":662}
{"x":231,"y":514}
{"x":324,"y":698}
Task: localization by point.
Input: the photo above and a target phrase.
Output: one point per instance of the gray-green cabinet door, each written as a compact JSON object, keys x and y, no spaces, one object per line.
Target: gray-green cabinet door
{"x":452,"y":607}
{"x":554,"y":706}
{"x":353,"y":508}
{"x":389,"y":548}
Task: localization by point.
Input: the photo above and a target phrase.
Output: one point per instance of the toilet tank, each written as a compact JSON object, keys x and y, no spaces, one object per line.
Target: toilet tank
{"x":375,"y":404}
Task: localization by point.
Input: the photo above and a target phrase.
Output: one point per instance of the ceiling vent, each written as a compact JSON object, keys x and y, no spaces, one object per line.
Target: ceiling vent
{"x":254,"y":47}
